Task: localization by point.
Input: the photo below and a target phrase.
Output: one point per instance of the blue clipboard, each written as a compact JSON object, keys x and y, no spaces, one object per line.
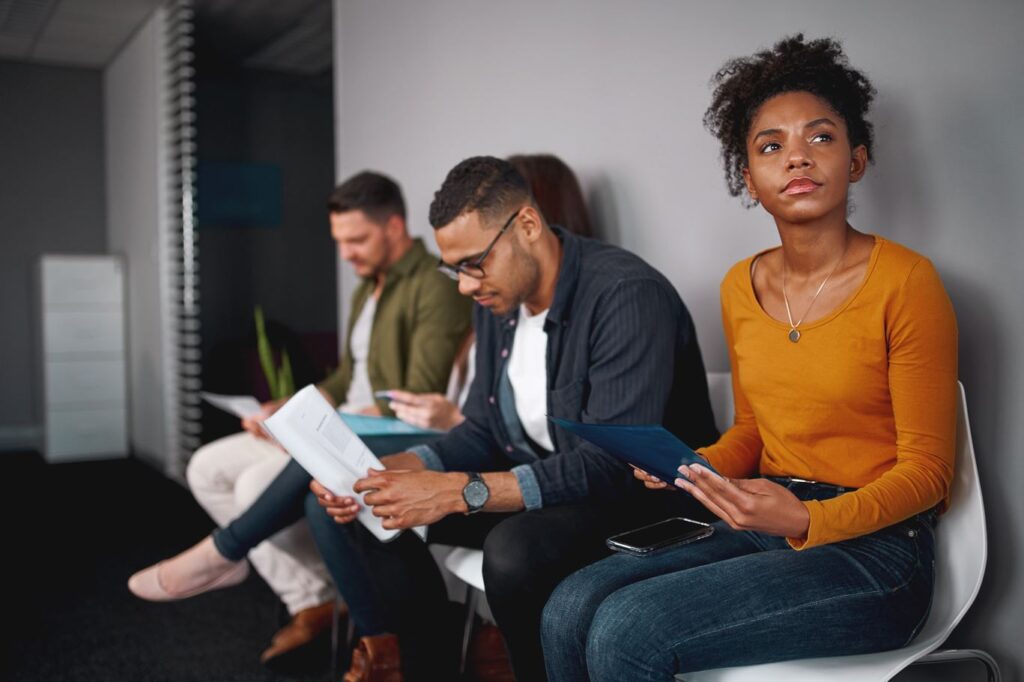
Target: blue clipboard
{"x":652,"y":448}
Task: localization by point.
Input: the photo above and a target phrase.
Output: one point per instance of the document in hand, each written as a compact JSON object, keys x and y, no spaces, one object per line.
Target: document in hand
{"x":239,"y":405}
{"x":243,"y":406}
{"x":654,"y":448}
{"x":314,"y":434}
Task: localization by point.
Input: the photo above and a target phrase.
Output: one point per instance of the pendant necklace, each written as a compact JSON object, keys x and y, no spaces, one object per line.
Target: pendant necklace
{"x":794,"y":333}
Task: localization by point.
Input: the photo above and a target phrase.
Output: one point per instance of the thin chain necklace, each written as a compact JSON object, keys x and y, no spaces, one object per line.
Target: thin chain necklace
{"x":794,"y":333}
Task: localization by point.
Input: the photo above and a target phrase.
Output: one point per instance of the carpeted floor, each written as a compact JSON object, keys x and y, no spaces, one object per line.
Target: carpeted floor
{"x":79,"y":531}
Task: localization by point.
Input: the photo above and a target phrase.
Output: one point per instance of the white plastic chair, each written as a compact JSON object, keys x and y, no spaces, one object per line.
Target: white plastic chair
{"x":468,"y":566}
{"x":961,"y":552}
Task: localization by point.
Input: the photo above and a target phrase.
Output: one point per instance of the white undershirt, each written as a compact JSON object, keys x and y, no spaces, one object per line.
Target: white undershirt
{"x":528,"y":374}
{"x":360,"y":392}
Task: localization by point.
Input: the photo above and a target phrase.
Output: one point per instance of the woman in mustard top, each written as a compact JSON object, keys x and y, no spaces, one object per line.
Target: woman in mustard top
{"x":843,"y":354}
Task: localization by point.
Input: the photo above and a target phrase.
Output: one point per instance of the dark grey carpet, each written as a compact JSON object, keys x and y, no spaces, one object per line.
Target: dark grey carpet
{"x":79,"y":531}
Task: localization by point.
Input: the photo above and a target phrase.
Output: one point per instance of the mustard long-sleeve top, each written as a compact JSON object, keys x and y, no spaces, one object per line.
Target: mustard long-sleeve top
{"x":866,"y":399}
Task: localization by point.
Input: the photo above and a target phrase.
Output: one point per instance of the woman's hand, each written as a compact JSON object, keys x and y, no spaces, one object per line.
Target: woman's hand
{"x":426,"y":410}
{"x":755,"y":504}
{"x":651,"y":482}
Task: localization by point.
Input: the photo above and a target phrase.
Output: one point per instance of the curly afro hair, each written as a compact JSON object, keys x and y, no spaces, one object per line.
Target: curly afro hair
{"x":793,"y":65}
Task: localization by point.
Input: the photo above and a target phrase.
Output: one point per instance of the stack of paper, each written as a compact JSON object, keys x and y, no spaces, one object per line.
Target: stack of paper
{"x":314,"y":434}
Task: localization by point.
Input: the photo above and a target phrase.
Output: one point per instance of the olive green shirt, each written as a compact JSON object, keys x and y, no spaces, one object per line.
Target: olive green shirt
{"x":420,"y":321}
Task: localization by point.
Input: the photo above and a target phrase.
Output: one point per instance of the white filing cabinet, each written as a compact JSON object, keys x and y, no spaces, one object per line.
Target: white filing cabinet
{"x":83,"y":357}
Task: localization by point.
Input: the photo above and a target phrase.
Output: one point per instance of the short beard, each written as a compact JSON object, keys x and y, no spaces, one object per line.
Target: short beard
{"x":527,"y":275}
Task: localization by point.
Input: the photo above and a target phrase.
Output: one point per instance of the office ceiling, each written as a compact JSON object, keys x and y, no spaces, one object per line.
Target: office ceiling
{"x":291,"y":36}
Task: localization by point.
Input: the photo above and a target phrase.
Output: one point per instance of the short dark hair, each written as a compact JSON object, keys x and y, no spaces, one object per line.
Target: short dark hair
{"x":376,"y":195}
{"x":742,"y":85}
{"x":481,"y":183}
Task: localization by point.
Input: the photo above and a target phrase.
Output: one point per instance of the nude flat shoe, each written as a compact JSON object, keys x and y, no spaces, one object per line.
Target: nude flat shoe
{"x":148,"y":583}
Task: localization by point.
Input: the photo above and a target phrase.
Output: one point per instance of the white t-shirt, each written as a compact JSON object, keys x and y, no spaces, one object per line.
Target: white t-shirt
{"x":458,"y":384}
{"x":528,"y":374}
{"x":360,"y":392}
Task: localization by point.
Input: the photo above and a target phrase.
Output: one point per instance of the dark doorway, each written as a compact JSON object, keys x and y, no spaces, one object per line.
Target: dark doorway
{"x":265,"y":149}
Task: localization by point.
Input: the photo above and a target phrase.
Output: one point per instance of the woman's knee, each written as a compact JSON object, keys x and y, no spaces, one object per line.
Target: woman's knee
{"x":566,"y":618}
{"x":623,"y":643}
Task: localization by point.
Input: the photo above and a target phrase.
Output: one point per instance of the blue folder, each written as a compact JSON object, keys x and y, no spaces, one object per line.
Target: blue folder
{"x":366,"y":425}
{"x":652,"y":448}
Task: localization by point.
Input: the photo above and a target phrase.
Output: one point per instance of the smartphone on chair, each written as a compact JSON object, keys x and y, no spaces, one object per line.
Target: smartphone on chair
{"x":661,"y":535}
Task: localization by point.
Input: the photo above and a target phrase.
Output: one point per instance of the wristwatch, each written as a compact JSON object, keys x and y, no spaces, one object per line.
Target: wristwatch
{"x":475,"y":493}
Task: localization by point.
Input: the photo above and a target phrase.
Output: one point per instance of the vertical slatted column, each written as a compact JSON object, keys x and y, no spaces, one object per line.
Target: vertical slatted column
{"x":183,"y":437}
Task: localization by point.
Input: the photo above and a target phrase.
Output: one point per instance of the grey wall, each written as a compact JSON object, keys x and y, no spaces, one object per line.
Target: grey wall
{"x":51,"y":200}
{"x":137,"y":120}
{"x":618,"y":90}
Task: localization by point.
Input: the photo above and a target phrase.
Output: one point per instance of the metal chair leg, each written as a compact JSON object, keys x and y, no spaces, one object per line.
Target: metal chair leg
{"x":951,"y":655}
{"x":335,"y":636}
{"x":467,"y":629}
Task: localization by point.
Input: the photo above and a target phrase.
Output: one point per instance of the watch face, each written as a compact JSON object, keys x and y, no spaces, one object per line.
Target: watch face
{"x":475,"y":493}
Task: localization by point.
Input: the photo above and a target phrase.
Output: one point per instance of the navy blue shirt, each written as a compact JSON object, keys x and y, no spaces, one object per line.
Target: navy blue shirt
{"x":621,"y":349}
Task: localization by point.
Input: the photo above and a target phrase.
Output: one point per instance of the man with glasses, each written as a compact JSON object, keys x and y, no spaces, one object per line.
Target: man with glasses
{"x":566,"y":327}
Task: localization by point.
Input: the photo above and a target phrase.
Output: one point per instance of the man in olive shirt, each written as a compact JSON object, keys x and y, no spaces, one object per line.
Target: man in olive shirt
{"x":407,"y":321}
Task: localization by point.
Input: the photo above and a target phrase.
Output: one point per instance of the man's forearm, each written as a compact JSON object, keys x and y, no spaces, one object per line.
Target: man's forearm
{"x":504,"y":488}
{"x":403,"y":460}
{"x":504,"y":492}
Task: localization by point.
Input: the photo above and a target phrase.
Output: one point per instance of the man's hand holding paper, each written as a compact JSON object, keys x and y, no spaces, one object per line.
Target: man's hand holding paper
{"x":405,"y":499}
{"x":315,"y":435}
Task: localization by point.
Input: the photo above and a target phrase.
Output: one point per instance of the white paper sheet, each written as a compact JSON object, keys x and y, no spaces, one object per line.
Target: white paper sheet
{"x":241,"y":406}
{"x":313,"y":433}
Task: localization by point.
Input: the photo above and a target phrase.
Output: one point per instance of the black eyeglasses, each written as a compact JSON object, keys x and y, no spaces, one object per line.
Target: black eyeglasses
{"x":476,"y":268}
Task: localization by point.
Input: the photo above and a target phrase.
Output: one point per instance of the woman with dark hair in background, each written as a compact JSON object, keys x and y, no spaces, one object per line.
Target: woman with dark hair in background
{"x":558,"y":195}
{"x":843,"y":348}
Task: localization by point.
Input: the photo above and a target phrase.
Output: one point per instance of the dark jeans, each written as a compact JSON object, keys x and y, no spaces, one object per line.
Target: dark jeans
{"x":397,"y":586}
{"x":526,"y":554}
{"x":280,"y":505}
{"x":741,"y":598}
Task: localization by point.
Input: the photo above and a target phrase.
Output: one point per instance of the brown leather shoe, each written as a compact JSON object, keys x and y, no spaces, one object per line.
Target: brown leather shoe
{"x":376,"y":659}
{"x":487,"y":658}
{"x":301,"y":631}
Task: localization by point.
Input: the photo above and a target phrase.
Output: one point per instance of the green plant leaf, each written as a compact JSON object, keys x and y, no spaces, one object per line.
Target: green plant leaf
{"x":266,"y":354}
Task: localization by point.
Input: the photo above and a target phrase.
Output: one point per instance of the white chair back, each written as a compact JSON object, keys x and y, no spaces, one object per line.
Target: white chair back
{"x":961,"y":553}
{"x":961,"y":540}
{"x":720,"y":392}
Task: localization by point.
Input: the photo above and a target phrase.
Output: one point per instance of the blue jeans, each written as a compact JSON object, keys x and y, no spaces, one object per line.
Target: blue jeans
{"x":286,"y":500}
{"x":741,"y":598}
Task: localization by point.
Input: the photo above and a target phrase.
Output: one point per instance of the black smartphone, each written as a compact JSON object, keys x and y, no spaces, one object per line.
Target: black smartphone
{"x":667,"y":533}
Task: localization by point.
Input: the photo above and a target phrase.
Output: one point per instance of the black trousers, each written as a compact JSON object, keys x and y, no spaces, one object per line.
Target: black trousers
{"x":526,"y":555}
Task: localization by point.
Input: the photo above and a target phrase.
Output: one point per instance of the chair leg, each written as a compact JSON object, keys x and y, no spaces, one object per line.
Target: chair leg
{"x":467,"y":630}
{"x":336,"y":636}
{"x":950,"y":655}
